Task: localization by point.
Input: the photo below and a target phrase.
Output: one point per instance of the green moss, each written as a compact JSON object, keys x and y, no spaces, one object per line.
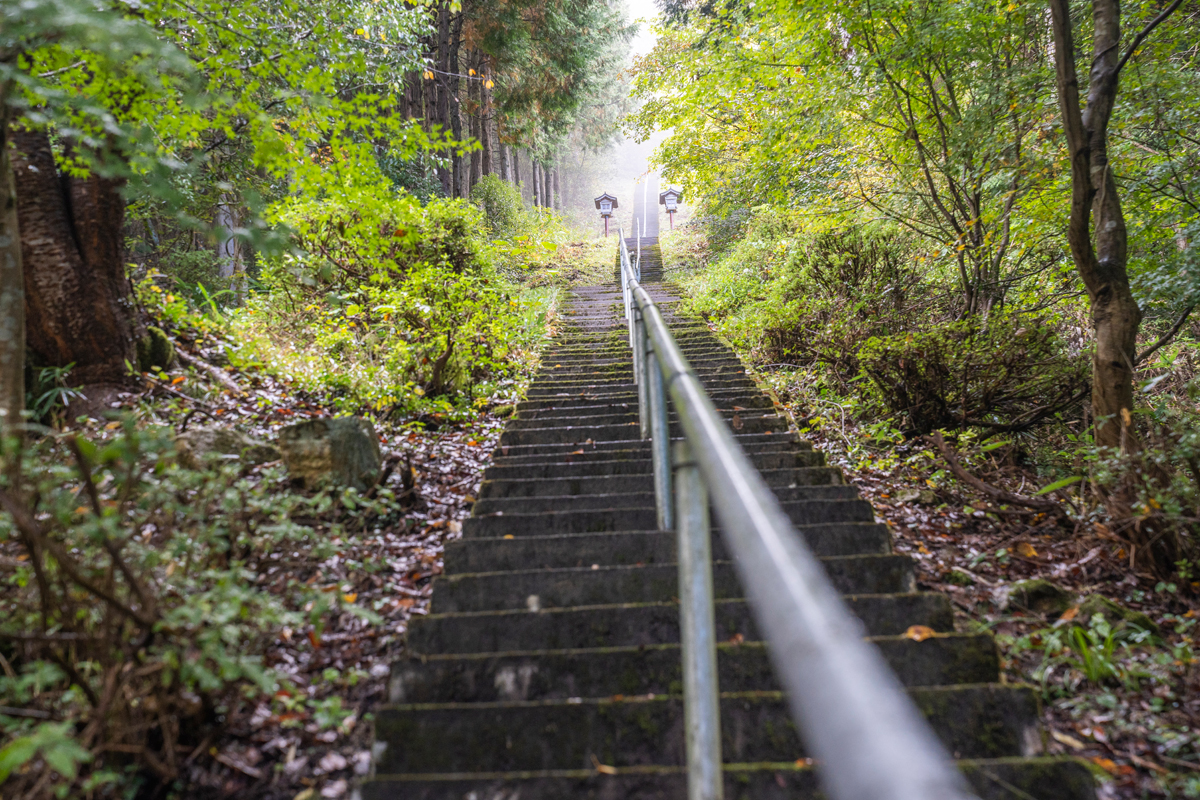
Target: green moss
{"x":155,"y":350}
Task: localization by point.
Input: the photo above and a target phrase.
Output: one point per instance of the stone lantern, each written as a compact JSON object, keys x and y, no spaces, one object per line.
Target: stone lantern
{"x":670,"y":198}
{"x":605,"y":203}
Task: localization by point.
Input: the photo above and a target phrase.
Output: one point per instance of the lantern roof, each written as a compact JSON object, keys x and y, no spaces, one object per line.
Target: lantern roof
{"x":606,"y":196}
{"x":662,"y":196}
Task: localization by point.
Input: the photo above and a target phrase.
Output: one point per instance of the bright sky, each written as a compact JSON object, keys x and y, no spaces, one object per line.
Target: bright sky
{"x":642,"y":9}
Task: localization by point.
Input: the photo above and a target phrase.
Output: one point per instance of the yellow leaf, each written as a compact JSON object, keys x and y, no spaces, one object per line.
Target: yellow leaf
{"x":489,"y":84}
{"x":470,"y":72}
{"x":428,"y":75}
{"x":350,"y":597}
{"x":1026,"y":549}
{"x":919,"y":633}
{"x":1069,"y":741}
{"x":508,"y":536}
{"x":178,"y":379}
{"x":359,"y":31}
{"x":603,"y":769}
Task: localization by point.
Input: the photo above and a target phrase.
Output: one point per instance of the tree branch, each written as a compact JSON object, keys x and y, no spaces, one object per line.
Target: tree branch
{"x":1166,"y":337}
{"x":1137,"y":40}
{"x":1049,"y":506}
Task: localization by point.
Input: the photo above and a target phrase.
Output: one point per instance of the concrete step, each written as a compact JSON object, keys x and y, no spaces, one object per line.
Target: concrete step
{"x":604,"y":585}
{"x":822,"y":515}
{"x":620,"y":495}
{"x":578,"y":464}
{"x":632,"y":547}
{"x":1046,"y":778}
{"x":772,"y":441}
{"x":635,"y":485}
{"x":634,"y":624}
{"x":630,"y":731}
{"x":947,"y":659}
{"x":515,"y":434}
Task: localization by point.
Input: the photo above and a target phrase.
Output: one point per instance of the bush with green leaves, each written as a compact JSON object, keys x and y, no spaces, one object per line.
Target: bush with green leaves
{"x":504,"y":211}
{"x":388,"y":303}
{"x":141,"y":599}
{"x":1005,"y":373}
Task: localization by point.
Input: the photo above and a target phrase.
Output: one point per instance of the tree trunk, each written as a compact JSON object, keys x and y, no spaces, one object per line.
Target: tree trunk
{"x":78,"y":302}
{"x":461,"y":189}
{"x":554,"y":189}
{"x":1095,"y":199}
{"x":441,"y":90}
{"x":505,"y":167}
{"x":516,"y":170}
{"x":475,"y":94}
{"x":485,"y":118}
{"x":12,"y":284}
{"x":537,"y":182}
{"x":547,"y":189}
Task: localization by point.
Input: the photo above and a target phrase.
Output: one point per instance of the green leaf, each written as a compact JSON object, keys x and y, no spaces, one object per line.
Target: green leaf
{"x":549,"y":245}
{"x":1059,"y":484}
{"x":15,"y":754}
{"x":994,"y":445}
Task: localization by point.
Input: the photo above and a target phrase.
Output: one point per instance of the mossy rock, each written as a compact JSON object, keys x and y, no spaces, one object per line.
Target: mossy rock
{"x":958,"y":578}
{"x":342,"y":451}
{"x":504,"y":411}
{"x":196,"y":446}
{"x":1114,"y":612}
{"x":155,"y":350}
{"x":1039,"y":596}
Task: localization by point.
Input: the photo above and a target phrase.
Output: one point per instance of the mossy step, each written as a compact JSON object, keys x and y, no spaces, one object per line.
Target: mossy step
{"x":1047,"y":778}
{"x":626,"y":462}
{"x":748,"y":398}
{"x":952,"y":658}
{"x":627,"y":416}
{"x":625,"y":624}
{"x":542,"y":433}
{"x":771,"y":441}
{"x":972,"y":720}
{"x":631,"y":494}
{"x":613,"y":492}
{"x":580,"y":408}
{"x":850,"y":518}
{"x":568,"y":587}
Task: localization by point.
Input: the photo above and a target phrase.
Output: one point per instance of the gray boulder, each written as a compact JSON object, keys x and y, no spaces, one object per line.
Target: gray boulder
{"x":342,"y":452}
{"x":195,"y":445}
{"x":1039,"y":596}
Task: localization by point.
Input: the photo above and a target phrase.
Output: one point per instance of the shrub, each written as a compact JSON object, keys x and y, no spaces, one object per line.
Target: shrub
{"x":141,"y":601}
{"x":386,"y":302}
{"x":503,"y":210}
{"x":1006,"y":373}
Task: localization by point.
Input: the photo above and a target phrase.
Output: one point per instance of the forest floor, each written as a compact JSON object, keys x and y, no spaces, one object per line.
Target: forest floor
{"x":301,"y":754}
{"x":1123,"y":698}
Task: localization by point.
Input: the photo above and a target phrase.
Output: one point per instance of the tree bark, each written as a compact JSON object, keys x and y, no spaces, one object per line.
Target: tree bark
{"x":1096,"y":205}
{"x":505,"y":166}
{"x":547,"y":188}
{"x":516,"y":171}
{"x":486,"y":110}
{"x":459,"y":186}
{"x":441,"y":88}
{"x":554,"y":189}
{"x":78,"y":301}
{"x":12,"y":284}
{"x":537,"y":182}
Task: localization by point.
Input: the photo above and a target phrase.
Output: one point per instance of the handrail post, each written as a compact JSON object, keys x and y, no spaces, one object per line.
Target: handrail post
{"x":701,"y":701}
{"x":660,"y":440}
{"x":639,"y":372}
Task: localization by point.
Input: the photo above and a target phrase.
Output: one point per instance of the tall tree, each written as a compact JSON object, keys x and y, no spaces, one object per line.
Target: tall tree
{"x":1097,"y":231}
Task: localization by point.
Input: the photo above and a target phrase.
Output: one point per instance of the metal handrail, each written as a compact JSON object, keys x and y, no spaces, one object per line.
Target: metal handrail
{"x":869,"y":739}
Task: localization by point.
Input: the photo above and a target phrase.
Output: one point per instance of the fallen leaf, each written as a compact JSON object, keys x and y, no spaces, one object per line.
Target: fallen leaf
{"x":603,"y":769}
{"x":919,"y":633}
{"x":1069,"y":741}
{"x":314,"y":639}
{"x":508,"y":536}
{"x":737,"y":422}
{"x":1026,"y":549}
{"x":406,"y":602}
{"x":350,"y":597}
{"x":307,"y":794}
{"x":737,"y":639}
{"x":1069,"y":614}
{"x":178,"y":379}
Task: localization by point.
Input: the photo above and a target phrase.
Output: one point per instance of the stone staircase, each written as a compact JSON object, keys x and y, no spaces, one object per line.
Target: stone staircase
{"x":549,"y":666}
